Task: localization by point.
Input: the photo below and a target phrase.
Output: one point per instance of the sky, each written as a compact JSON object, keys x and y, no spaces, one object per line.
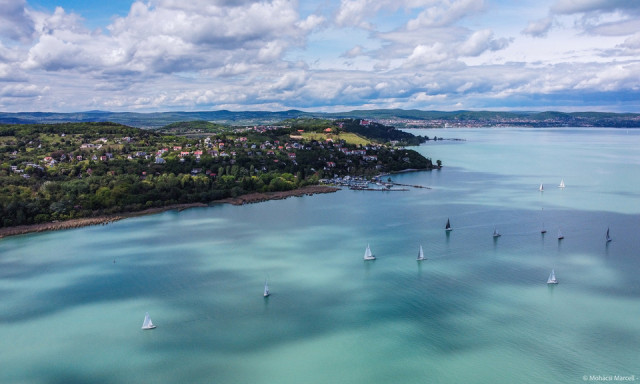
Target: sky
{"x":319,"y":55}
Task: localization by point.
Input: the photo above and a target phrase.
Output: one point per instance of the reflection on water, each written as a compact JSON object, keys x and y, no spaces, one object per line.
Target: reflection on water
{"x":478,"y":310}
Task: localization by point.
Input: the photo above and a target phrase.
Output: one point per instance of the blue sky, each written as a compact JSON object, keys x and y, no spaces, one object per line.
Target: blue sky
{"x":324,"y":55}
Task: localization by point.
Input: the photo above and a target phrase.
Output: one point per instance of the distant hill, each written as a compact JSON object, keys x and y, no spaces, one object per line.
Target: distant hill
{"x":399,"y":117}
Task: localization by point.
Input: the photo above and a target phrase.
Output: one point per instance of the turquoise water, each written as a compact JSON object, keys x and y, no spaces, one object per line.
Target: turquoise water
{"x":478,"y":311}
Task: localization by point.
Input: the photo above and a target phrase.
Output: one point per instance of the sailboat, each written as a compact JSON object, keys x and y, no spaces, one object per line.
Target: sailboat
{"x":561,"y":184}
{"x":421,"y":254}
{"x":552,"y":278}
{"x":560,"y":235}
{"x":608,"y":237}
{"x":543,"y":231}
{"x":368,"y":255}
{"x":266,"y":289}
{"x":541,"y":188}
{"x":147,"y":323}
{"x":495,"y":233}
{"x":448,"y":226}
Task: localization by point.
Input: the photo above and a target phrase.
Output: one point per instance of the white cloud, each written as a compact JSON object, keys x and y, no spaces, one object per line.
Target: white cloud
{"x":21,"y":90}
{"x":15,"y":22}
{"x":247,"y":54}
{"x":443,"y":13}
{"x":427,"y":54}
{"x":354,"y":52}
{"x":481,"y":41}
{"x":538,"y":28}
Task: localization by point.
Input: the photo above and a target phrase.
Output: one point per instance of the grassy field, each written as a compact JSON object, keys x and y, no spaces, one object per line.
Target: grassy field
{"x":350,"y":138}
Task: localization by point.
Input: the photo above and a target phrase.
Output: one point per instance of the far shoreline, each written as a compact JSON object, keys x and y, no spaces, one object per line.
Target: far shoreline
{"x":250,"y":198}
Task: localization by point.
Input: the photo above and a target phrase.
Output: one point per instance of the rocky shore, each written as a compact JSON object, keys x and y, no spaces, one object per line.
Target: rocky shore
{"x":104,"y":220}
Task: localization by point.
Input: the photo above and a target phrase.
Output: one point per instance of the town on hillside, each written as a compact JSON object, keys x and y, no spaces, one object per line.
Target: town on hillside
{"x":65,"y":171}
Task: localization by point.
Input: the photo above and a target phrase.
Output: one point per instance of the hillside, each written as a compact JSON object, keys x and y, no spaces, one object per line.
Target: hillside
{"x":398,"y":117}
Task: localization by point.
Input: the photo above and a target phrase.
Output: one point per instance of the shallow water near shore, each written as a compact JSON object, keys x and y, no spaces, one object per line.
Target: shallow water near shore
{"x":477,"y":311}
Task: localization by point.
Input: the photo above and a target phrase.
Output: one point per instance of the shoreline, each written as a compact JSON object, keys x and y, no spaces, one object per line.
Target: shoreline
{"x":258,"y":197}
{"x":250,"y":198}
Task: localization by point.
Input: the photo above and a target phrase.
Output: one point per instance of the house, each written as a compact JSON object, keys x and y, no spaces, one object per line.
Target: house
{"x":184,"y":153}
{"x":160,"y":160}
{"x":177,"y":148}
{"x":292,"y":155}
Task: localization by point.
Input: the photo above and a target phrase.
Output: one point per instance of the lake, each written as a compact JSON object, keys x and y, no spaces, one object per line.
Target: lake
{"x":477,"y":311}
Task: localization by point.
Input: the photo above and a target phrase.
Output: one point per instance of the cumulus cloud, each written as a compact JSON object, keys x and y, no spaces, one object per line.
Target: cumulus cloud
{"x":427,"y":54}
{"x":481,"y":41}
{"x":21,"y":90}
{"x":442,"y":13}
{"x":15,"y":21}
{"x":252,"y":54}
{"x":602,"y":17}
{"x":538,"y":28}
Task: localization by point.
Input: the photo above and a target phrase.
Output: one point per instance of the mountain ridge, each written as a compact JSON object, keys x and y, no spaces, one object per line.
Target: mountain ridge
{"x":407,"y":118}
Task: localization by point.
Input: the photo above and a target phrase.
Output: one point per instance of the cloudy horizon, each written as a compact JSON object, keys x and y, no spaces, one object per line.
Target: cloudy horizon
{"x":332,"y":55}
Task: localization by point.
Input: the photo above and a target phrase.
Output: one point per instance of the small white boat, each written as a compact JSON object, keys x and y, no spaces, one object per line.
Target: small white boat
{"x":448,"y":226}
{"x":541,"y":189}
{"x":421,"y":254}
{"x":561,"y":184}
{"x":368,"y":255}
{"x":266,"y":289}
{"x":552,"y":278}
{"x":560,"y":235}
{"x":147,"y":323}
{"x":495,"y":233}
{"x":608,"y":237}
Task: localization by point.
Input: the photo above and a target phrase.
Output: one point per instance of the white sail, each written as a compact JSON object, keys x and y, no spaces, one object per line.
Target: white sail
{"x":541,"y":187}
{"x":552,"y":278}
{"x":147,"y":323}
{"x":420,"y":254}
{"x":266,"y":289}
{"x":561,"y":184}
{"x":367,"y":254}
{"x":495,"y":232}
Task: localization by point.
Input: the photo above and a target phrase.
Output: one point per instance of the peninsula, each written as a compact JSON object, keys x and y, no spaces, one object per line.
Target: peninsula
{"x":91,"y":173}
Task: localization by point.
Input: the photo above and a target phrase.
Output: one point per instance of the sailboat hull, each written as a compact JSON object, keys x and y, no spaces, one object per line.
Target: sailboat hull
{"x":149,"y":327}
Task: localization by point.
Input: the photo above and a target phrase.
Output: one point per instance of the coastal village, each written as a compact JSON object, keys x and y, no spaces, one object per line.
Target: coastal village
{"x":64,"y":171}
